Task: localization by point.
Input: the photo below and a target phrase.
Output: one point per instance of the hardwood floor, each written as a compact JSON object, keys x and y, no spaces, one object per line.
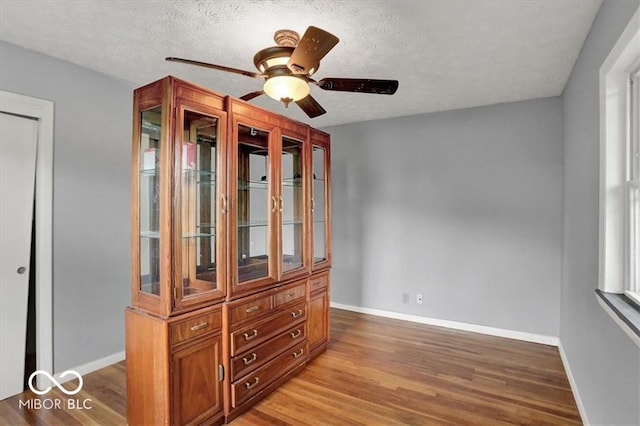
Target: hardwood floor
{"x":377,"y":371}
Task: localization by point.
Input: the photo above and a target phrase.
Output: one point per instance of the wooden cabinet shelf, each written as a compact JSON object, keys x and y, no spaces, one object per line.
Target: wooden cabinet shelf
{"x":231,"y":250}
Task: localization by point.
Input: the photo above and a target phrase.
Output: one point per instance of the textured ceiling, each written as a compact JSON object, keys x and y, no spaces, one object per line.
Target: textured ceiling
{"x":446,"y":54}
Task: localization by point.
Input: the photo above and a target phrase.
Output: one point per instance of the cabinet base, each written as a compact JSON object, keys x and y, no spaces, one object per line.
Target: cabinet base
{"x":317,"y":351}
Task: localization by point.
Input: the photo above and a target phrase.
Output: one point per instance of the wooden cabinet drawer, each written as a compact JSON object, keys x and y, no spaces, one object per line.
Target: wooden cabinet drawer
{"x":290,"y":294}
{"x":195,"y":326}
{"x":249,"y":361}
{"x":250,"y":309}
{"x":318,"y":282}
{"x":254,"y":382}
{"x":254,"y":334}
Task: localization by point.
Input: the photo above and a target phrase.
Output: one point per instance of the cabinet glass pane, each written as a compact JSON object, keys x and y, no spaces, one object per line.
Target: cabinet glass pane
{"x":198,"y":202}
{"x":291,"y":204}
{"x":319,"y":205}
{"x":149,"y":200}
{"x":253,"y":203}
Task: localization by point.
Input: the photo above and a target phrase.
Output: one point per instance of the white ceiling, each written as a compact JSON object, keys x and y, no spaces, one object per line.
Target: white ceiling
{"x":446,"y":54}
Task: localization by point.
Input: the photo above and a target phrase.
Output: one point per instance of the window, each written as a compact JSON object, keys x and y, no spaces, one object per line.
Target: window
{"x":633,"y":190}
{"x":619,"y":245}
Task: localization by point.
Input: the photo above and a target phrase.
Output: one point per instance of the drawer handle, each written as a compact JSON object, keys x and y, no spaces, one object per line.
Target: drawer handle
{"x":199,"y":326}
{"x":248,"y":361}
{"x":252,"y":309}
{"x":295,"y":334}
{"x":293,"y":294}
{"x":253,"y":335}
{"x":297,"y":313}
{"x":317,"y":284}
{"x":297,"y":354}
{"x":254,"y":384}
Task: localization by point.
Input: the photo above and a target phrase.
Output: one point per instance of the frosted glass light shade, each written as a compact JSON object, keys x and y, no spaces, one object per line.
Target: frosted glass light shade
{"x":286,"y":87}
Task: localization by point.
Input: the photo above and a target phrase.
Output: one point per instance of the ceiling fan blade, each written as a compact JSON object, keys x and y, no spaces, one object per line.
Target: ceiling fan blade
{"x":313,"y":46}
{"x":215,"y":67}
{"x":362,"y":85}
{"x":310,"y":106}
{"x":252,"y":95}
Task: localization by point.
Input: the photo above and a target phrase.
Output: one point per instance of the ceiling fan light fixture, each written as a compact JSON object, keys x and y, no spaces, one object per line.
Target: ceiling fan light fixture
{"x":287,"y":69}
{"x":286,"y":88}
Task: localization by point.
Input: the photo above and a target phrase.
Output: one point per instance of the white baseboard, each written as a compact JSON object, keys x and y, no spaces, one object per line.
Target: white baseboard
{"x":511,"y":334}
{"x":574,"y":386}
{"x":92,"y":366}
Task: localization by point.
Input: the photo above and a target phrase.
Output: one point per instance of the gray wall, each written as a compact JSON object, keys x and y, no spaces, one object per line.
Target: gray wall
{"x":603,"y":360}
{"x":462,"y":206}
{"x":91,"y":245}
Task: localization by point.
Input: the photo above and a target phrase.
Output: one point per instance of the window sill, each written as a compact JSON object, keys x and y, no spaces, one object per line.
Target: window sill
{"x":623,"y":311}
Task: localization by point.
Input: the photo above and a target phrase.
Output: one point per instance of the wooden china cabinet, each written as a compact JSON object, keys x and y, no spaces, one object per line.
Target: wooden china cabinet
{"x":231,"y":238}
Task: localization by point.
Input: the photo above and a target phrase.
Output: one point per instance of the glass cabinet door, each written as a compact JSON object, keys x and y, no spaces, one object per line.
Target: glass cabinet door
{"x":291,"y":205}
{"x":255,"y":204}
{"x":149,"y":200}
{"x":198,"y":144}
{"x":320,"y":206}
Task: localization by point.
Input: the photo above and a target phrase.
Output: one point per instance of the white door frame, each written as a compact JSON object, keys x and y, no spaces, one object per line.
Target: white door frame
{"x":41,"y":110}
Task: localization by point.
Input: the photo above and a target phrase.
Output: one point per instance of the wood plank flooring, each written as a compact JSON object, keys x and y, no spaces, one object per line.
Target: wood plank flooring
{"x":377,"y":371}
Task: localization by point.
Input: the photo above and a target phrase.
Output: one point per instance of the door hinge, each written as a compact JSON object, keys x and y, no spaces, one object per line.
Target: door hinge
{"x":220,"y":372}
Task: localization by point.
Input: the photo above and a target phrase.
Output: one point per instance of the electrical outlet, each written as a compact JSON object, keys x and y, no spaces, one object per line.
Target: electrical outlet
{"x":419,"y":298}
{"x":405,"y":298}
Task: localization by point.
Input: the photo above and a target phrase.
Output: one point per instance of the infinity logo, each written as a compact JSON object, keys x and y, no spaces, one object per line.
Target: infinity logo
{"x":55,"y":382}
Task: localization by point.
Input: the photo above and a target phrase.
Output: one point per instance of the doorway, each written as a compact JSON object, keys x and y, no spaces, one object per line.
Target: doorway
{"x":41,"y":112}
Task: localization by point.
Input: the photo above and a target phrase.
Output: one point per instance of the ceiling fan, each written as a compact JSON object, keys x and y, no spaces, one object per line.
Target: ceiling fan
{"x":287,"y":69}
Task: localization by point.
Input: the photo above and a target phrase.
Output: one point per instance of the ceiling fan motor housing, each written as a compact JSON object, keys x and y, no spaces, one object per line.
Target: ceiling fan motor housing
{"x":276,"y":57}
